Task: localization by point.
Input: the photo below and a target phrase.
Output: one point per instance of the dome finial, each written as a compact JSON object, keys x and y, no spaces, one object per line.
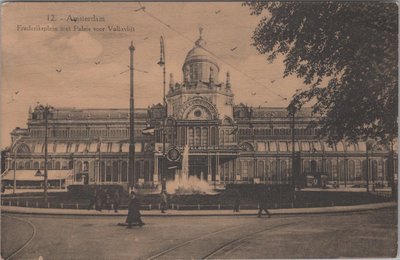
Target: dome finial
{"x":200,"y":42}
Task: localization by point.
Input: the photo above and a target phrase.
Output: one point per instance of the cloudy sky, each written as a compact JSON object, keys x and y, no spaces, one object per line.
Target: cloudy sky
{"x":30,"y":58}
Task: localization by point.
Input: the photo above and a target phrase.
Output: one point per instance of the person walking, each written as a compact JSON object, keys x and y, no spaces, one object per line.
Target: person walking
{"x":163,"y":201}
{"x":263,"y":198}
{"x":134,"y":211}
{"x":116,"y":200}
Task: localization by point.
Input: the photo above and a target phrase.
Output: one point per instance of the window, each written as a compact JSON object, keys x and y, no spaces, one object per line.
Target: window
{"x":183,"y":136}
{"x":213,"y":136}
{"x":204,"y":137}
{"x":197,"y":137}
{"x":115,"y":172}
{"x":260,"y":170}
{"x":191,"y":136}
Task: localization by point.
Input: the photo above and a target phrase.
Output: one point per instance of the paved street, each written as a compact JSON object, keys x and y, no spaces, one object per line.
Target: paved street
{"x":361,"y":234}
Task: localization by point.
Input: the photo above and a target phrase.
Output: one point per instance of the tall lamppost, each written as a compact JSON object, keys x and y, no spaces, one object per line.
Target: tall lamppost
{"x":131,"y":174}
{"x":45,"y":111}
{"x":162,"y":65}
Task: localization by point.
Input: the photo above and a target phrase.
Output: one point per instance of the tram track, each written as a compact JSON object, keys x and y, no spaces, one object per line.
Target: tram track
{"x":164,"y":252}
{"x":20,"y":249}
{"x":235,"y":243}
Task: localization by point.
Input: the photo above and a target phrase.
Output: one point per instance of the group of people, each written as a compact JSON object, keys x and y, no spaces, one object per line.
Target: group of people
{"x":106,"y":198}
{"x":103,"y":198}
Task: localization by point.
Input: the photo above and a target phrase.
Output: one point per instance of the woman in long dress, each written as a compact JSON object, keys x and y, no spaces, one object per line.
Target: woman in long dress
{"x":134,"y":211}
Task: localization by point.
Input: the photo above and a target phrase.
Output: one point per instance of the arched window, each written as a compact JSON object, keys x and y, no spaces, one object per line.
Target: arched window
{"x":57,"y":165}
{"x":27,"y":165}
{"x":204,"y":137}
{"x":36,"y":165}
{"x":213,"y":136}
{"x":20,"y":165}
{"x":197,"y":137}
{"x":191,"y":136}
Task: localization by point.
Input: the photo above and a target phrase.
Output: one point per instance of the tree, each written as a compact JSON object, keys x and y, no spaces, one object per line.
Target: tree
{"x":346,"y":54}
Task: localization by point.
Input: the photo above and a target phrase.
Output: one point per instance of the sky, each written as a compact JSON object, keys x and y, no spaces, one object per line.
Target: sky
{"x":92,"y":63}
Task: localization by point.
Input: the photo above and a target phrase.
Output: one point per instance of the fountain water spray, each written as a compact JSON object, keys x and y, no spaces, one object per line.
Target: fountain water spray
{"x":186,"y":184}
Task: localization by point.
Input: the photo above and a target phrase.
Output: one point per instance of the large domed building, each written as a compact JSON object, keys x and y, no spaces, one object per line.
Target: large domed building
{"x":229,"y":142}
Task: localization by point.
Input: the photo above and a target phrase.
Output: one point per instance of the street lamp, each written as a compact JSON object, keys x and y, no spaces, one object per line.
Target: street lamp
{"x":131,"y":174}
{"x":161,"y":63}
{"x":45,"y":111}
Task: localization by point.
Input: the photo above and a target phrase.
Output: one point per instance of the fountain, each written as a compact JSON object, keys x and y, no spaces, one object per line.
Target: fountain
{"x":185,"y":184}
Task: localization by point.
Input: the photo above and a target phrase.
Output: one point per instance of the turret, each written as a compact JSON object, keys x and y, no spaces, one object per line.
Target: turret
{"x":228,"y":80}
{"x":171,"y":82}
{"x":211,"y":79}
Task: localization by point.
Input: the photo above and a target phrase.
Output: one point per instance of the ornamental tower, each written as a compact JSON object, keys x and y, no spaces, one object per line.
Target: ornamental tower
{"x":201,"y":87}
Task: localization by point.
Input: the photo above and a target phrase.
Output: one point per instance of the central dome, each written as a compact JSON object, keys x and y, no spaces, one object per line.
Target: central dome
{"x":199,"y":64}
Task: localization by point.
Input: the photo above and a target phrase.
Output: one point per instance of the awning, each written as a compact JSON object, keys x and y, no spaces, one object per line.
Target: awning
{"x":30,"y":175}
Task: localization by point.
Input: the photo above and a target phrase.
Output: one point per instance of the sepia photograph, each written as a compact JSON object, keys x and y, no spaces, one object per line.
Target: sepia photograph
{"x":199,"y":130}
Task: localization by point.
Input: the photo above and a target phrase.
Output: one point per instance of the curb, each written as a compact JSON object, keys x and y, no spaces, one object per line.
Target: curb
{"x":197,"y":213}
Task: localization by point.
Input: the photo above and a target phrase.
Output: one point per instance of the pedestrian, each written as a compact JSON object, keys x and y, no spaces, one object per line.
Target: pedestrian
{"x":116,"y":199}
{"x":105,"y":199}
{"x":134,"y":211}
{"x":263,"y":203}
{"x":163,"y":201}
{"x":236,"y":204}
{"x":92,"y":201}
